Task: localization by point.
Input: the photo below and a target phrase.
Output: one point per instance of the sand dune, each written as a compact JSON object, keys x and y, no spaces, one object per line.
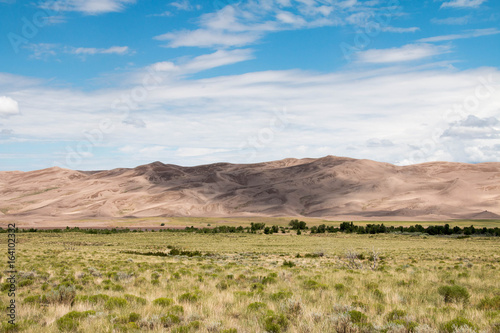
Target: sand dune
{"x":330,"y":187}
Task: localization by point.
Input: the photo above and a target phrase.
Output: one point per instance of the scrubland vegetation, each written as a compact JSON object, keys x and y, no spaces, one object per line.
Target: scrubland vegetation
{"x":255,"y":282}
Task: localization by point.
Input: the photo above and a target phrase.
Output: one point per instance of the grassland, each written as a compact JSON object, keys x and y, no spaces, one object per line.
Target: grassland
{"x":255,"y":283}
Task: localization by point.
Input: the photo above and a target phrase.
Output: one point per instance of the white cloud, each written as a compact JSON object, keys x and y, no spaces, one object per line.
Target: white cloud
{"x":408,"y":52}
{"x":90,"y":7}
{"x":467,"y":34}
{"x":400,"y":30}
{"x":345,"y":113}
{"x":217,"y":59}
{"x":182,"y":5}
{"x":8,"y":106}
{"x":242,"y":23}
{"x":474,"y":128}
{"x":208,"y":38}
{"x":42,"y":50}
{"x":204,"y":62}
{"x":451,"y":20}
{"x":290,"y":18}
{"x":463,"y":3}
{"x":165,"y":66}
{"x":93,"y":51}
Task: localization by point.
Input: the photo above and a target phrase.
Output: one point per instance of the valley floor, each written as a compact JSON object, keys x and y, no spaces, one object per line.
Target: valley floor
{"x":254,"y":283}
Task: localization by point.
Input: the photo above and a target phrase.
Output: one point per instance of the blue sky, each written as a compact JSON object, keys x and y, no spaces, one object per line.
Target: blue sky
{"x":100,"y":84}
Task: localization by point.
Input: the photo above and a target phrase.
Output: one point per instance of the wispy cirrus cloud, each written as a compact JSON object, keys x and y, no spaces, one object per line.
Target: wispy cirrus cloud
{"x":244,"y":23}
{"x":467,"y":34}
{"x":399,"y":29}
{"x":451,"y":20}
{"x":463,"y":3}
{"x":120,"y":50}
{"x":208,"y":38}
{"x":89,"y":7}
{"x":204,"y":62}
{"x":409,"y":52}
{"x":44,"y":51}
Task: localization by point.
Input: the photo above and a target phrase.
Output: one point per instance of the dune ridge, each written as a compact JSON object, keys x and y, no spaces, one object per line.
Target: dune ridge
{"x":328,"y":187}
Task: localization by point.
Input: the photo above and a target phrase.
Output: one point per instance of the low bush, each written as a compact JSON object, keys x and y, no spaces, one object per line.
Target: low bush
{"x":452,"y":325}
{"x":115,"y":302}
{"x":163,"y":301}
{"x":281,"y":295}
{"x":188,"y":297}
{"x":357,"y":317}
{"x":395,"y":315}
{"x":256,"y":306}
{"x":71,"y":320}
{"x":135,"y":299}
{"x":313,"y":285}
{"x":275,"y":323}
{"x":170,"y":320}
{"x":492,"y":303}
{"x":454,"y":293}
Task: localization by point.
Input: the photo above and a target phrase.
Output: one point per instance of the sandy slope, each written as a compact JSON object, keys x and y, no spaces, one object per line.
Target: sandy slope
{"x":335,"y":187}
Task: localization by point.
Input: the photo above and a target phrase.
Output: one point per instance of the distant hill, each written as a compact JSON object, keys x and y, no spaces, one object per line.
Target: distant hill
{"x":333,"y":187}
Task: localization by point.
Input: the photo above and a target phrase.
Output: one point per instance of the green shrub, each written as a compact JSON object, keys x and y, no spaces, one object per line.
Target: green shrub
{"x":98,"y":298}
{"x":8,"y":328}
{"x":229,"y":330}
{"x":222,"y":285}
{"x":256,"y":306}
{"x":312,"y":285}
{"x":490,"y":303}
{"x":280,"y":295}
{"x":188,"y":297}
{"x":339,"y":287}
{"x":357,"y":317}
{"x":170,"y":320}
{"x":134,"y":317}
{"x":268,"y":280}
{"x":458,"y":322}
{"x":62,"y":294}
{"x":257,"y":287}
{"x":454,"y":294}
{"x":395,"y":315}
{"x":135,"y":299}
{"x":26,"y":282}
{"x":163,"y":301}
{"x":35,"y":299}
{"x":275,"y":323}
{"x":115,"y":302}
{"x":288,"y":263}
{"x":117,"y":287}
{"x":410,"y":326}
{"x":70,"y":321}
{"x":378,"y":294}
{"x":176,"y":309}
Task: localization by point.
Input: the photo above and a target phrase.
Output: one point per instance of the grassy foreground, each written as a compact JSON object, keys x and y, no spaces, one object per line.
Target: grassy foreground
{"x":255,"y":283}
